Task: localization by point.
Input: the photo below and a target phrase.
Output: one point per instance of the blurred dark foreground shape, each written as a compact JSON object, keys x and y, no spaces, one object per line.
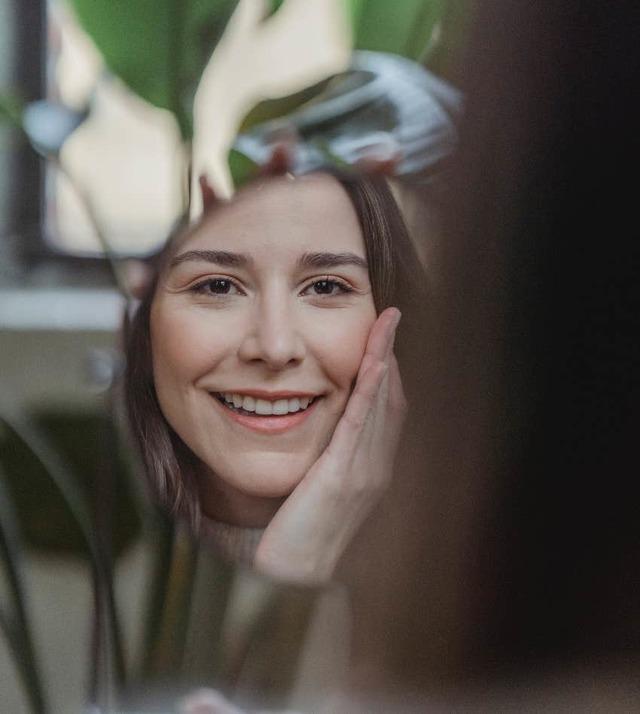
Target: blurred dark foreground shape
{"x":511,"y":580}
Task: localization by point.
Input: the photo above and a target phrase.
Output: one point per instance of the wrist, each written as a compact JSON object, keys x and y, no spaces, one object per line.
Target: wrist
{"x":294,"y":567}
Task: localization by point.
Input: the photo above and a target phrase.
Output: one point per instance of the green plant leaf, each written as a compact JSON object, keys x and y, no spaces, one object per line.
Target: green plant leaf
{"x":272,"y":7}
{"x":405,"y":28}
{"x":453,"y":32}
{"x":270,"y":109}
{"x":18,"y":628}
{"x":159,"y":48}
{"x":60,"y":475}
{"x":241,"y":167}
{"x":11,"y":108}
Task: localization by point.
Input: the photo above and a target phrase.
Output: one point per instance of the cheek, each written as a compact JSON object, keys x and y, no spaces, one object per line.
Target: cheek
{"x":341,"y":343}
{"x":182,"y":346}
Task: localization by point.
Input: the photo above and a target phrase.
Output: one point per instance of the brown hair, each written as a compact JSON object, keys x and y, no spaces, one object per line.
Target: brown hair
{"x":396,"y":279}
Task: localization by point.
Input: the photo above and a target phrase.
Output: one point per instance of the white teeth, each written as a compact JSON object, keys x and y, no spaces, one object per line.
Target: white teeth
{"x":264,"y":407}
{"x":249,"y":404}
{"x":281,"y":406}
{"x":294,"y":404}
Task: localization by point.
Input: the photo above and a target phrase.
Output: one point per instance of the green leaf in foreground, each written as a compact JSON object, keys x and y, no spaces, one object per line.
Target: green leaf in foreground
{"x":11,"y":109}
{"x":159,"y":48}
{"x":241,"y":167}
{"x":59,"y":474}
{"x":18,"y":628}
{"x":270,"y":109}
{"x":272,"y":7}
{"x":453,"y":34}
{"x":405,"y":28}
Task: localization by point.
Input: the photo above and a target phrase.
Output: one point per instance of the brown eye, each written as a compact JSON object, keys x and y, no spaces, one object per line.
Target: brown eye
{"x":327,"y":287}
{"x":215,"y":286}
{"x":219,"y":286}
{"x":324,"y":287}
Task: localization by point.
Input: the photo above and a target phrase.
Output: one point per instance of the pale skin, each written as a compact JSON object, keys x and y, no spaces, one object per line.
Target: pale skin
{"x":307,"y":536}
{"x":296,"y":317}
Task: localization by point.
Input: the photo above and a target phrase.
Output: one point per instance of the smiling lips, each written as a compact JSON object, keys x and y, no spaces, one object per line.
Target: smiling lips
{"x":271,"y":413}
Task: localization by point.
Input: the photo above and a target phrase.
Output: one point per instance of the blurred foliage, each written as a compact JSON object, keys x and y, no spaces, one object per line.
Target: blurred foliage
{"x":405,"y":28}
{"x":42,"y":509}
{"x":272,"y":7}
{"x":444,"y":57}
{"x":23,"y":431}
{"x":55,"y":471}
{"x":383,"y":106}
{"x":273,"y":108}
{"x":159,"y":48}
{"x":379,"y":103}
{"x":13,"y":618}
{"x":11,"y":108}
{"x":241,"y":167}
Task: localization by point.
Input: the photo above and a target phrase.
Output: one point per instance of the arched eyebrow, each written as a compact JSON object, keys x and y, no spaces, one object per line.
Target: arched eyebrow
{"x":331,"y":260}
{"x":239,"y":260}
{"x":219,"y":257}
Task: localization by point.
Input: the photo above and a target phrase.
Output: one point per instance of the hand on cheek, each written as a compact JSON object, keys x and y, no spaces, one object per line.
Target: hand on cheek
{"x":308,"y":535}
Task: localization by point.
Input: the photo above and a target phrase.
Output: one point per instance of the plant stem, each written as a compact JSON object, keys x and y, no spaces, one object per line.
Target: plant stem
{"x":18,"y":632}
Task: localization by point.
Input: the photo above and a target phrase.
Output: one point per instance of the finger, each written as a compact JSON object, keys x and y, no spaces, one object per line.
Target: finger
{"x":389,"y":404}
{"x":349,"y":429}
{"x":392,"y":334}
{"x":367,"y":392}
{"x":374,"y":425}
{"x":390,"y":419}
{"x":382,"y":333}
{"x":389,"y":410}
{"x":380,"y":343}
{"x":381,"y":433}
{"x":397,"y":397}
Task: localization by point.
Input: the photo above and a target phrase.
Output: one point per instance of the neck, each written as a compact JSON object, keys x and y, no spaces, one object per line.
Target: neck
{"x":226,"y":504}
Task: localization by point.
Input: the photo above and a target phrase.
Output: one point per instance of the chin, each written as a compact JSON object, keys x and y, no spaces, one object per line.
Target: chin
{"x":265,"y":476}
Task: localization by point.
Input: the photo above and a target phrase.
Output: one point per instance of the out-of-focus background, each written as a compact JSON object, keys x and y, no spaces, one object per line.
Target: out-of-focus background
{"x":508,"y":577}
{"x":86,"y":162}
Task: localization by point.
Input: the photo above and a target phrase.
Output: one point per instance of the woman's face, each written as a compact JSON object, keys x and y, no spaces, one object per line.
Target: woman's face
{"x":258,"y":327}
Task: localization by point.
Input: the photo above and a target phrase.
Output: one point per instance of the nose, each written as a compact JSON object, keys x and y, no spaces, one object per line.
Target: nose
{"x":273,"y":336}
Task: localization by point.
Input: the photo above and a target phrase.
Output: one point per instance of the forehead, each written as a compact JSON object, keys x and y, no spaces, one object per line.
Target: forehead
{"x":279,"y":215}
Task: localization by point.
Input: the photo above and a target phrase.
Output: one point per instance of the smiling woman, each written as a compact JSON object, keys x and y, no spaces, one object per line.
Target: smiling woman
{"x":262,"y":384}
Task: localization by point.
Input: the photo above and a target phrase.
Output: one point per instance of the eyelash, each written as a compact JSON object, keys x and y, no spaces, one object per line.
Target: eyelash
{"x":343,"y":288}
{"x":201,"y":287}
